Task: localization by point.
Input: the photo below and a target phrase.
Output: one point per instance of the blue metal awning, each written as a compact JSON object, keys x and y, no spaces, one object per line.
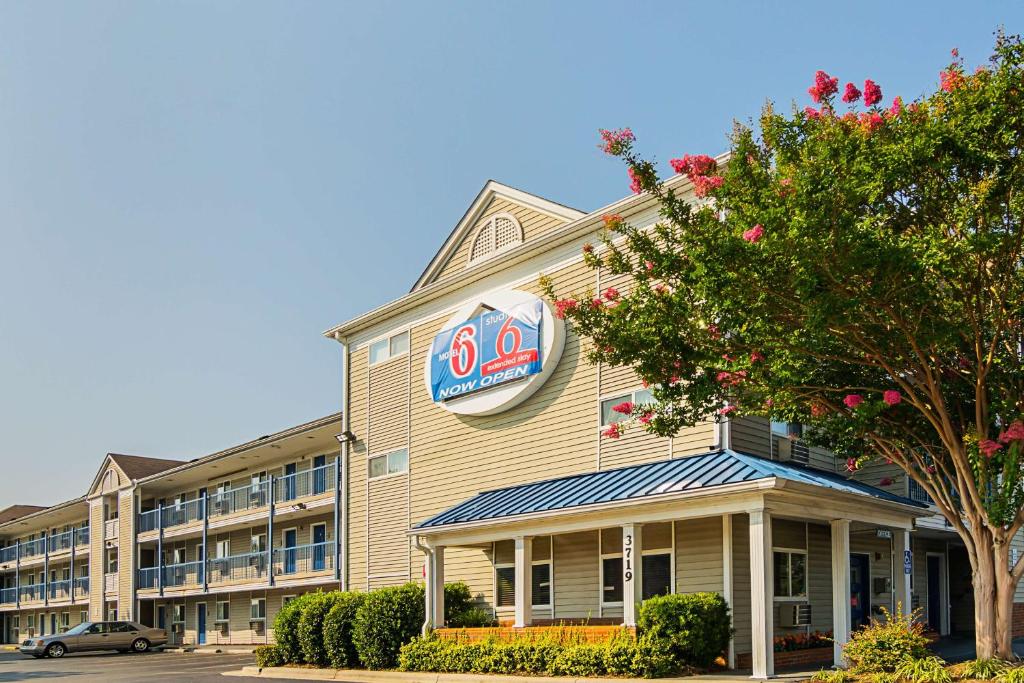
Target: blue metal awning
{"x":692,"y":473}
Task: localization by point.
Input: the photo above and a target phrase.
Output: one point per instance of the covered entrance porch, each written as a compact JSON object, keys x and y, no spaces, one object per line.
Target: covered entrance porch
{"x":778,"y":542}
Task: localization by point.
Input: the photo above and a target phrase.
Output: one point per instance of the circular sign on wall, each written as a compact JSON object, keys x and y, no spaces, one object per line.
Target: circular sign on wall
{"x":493,"y":353}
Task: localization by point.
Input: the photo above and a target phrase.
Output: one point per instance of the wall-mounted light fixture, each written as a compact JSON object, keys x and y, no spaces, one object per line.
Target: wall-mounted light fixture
{"x":346,"y":437}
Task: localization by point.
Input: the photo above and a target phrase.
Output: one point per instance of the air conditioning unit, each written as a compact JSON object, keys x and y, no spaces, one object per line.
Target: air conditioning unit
{"x":881,"y":585}
{"x":223,"y":626}
{"x":256,"y":625}
{"x":220,"y":506}
{"x":256,"y":560}
{"x":178,"y":628}
{"x":795,"y":614}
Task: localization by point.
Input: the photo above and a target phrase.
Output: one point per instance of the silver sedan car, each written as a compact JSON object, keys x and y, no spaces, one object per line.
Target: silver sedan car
{"x":126,"y":636}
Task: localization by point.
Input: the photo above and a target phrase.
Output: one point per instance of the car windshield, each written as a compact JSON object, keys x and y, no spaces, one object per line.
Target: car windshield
{"x":75,"y":630}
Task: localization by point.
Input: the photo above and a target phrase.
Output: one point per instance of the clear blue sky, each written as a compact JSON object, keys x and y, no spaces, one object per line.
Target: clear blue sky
{"x":190,"y":192}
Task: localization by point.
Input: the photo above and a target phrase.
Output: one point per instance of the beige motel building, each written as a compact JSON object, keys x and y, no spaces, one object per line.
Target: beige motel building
{"x":468,"y":447}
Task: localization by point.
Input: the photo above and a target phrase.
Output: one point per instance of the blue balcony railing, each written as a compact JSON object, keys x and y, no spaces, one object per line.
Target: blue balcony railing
{"x":82,"y":536}
{"x":304,"y":559}
{"x":149,"y":577}
{"x":8,"y":596}
{"x":59,"y":590}
{"x":183,"y":574}
{"x":310,"y":482}
{"x":248,"y":497}
{"x":245,"y":567}
{"x":9,"y":554}
{"x":33,"y":548}
{"x":81,"y":586}
{"x":32,"y":592}
{"x":59,"y":542}
{"x":149,"y":520}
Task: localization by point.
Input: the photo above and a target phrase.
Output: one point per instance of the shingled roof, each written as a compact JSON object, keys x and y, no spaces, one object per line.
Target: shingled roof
{"x":139,"y":466}
{"x":9,"y":514}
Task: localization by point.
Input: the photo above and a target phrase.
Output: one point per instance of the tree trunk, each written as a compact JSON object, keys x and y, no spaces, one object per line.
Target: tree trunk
{"x":994,"y":590}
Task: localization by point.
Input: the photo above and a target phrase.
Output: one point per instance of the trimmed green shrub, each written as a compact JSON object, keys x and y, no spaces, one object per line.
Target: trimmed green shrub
{"x":337,"y":630}
{"x":883,"y":645}
{"x":311,"y":627}
{"x":270,"y":655}
{"x":695,"y":627}
{"x":286,"y":628}
{"x":925,"y":670}
{"x":388,"y":619}
{"x":474,"y":617}
{"x":580,"y":660}
{"x":653,"y":658}
{"x":832,"y":676}
{"x":983,"y":669}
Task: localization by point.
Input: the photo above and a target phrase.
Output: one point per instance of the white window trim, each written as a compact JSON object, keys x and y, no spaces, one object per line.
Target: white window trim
{"x":625,"y":395}
{"x":327,"y":538}
{"x":387,"y":474}
{"x":253,"y":601}
{"x":216,"y":614}
{"x":793,"y":598}
{"x":671,"y":552}
{"x":387,"y":342}
{"x":600,"y":576}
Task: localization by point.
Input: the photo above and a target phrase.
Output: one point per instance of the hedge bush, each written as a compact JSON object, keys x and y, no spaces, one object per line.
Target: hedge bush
{"x":884,"y":645}
{"x":286,"y":628}
{"x":693,"y":627}
{"x":311,"y":627}
{"x":270,"y":655}
{"x":337,"y":630}
{"x":620,"y":656}
{"x":387,"y":619}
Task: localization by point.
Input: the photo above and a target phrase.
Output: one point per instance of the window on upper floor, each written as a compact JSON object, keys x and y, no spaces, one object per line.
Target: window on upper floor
{"x":793,"y":429}
{"x":389,"y":347}
{"x":494,"y":235}
{"x":395,"y":462}
{"x":608,"y":413}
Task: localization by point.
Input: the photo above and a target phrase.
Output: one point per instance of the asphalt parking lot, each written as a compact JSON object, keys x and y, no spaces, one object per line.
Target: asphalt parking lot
{"x":115,"y":667}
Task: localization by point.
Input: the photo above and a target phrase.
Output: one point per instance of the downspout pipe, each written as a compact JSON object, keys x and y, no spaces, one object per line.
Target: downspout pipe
{"x":429,"y":608}
{"x":343,"y":538}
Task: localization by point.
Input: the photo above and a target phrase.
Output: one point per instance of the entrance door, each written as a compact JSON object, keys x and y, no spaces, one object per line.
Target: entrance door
{"x":319,"y":547}
{"x":319,"y":474}
{"x":53,"y":622}
{"x":161,"y":617}
{"x":201,"y":623}
{"x":860,"y":597}
{"x":935,"y":593}
{"x":289,"y":481}
{"x":289,"y":551}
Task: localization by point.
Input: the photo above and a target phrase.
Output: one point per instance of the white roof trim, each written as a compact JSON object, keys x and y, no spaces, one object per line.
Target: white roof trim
{"x":464,"y":227}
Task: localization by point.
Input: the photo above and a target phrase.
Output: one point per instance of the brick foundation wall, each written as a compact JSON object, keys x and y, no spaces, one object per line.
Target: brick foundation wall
{"x":1018,"y":620}
{"x":811,"y":657}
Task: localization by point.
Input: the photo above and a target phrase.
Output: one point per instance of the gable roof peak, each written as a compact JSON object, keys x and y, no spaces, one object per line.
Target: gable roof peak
{"x":490,"y":190}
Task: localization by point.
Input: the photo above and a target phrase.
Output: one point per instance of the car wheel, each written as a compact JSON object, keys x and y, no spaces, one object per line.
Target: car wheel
{"x":140,"y":645}
{"x":55,"y":650}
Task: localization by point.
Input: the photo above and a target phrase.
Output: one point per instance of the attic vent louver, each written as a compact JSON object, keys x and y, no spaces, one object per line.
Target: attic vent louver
{"x":494,"y":235}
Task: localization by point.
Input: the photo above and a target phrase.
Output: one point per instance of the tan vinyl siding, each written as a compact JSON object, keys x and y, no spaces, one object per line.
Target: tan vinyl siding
{"x":388,"y":559}
{"x":741,"y":581}
{"x":819,"y":576}
{"x":96,"y":560}
{"x":534,"y":223}
{"x":357,"y":467}
{"x":753,"y":435}
{"x":126,"y":555}
{"x":698,"y":555}
{"x":577,"y":590}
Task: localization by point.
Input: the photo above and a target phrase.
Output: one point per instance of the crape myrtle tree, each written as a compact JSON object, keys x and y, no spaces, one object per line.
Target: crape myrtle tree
{"x":854,"y":266}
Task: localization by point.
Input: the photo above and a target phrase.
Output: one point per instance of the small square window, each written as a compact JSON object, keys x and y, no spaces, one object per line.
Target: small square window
{"x":378,"y":351}
{"x":609,"y":416}
{"x":399,"y":344}
{"x":378,"y":466}
{"x":505,"y":577}
{"x":398,"y":461}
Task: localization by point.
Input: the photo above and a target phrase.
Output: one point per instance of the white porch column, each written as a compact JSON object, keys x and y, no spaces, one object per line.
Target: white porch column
{"x":901,"y":584}
{"x":840,"y":587}
{"x":762,"y":585}
{"x":524,"y":581}
{"x":435,"y":586}
{"x":727,"y":581}
{"x":632,"y":572}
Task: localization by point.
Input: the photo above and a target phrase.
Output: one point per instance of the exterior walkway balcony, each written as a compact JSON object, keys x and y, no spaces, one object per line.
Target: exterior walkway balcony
{"x":298,"y":565}
{"x":294,"y":495}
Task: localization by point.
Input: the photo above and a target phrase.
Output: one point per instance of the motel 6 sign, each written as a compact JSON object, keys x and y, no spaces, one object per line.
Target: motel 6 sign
{"x":493,"y":353}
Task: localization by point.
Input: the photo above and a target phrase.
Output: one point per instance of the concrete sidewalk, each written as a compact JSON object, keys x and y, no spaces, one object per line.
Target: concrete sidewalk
{"x":296,"y":673}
